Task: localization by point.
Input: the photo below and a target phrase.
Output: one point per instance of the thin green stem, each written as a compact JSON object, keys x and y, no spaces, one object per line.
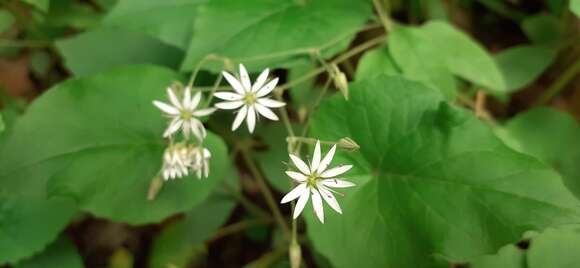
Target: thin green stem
{"x":246,"y":203}
{"x":384,"y":17}
{"x":237,"y":227}
{"x":246,"y":155}
{"x":214,"y":89}
{"x":560,"y":83}
{"x":284,"y":115}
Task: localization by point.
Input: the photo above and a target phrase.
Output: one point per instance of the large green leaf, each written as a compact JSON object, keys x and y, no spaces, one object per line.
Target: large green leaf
{"x":549,"y":135}
{"x":62,"y":254}
{"x":432,"y":182}
{"x":99,"y":141}
{"x":169,"y":21}
{"x":374,"y":63}
{"x":555,"y":248}
{"x":521,"y":65}
{"x":437,"y":48}
{"x":247,"y":31}
{"x":543,"y":29}
{"x":575,"y":7}
{"x":96,"y":51}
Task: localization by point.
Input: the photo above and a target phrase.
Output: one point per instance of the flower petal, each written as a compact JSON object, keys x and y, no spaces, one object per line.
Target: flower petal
{"x":240,"y":117}
{"x":260,"y":80}
{"x":333,"y":172}
{"x":195,"y":101}
{"x":197,"y":129}
{"x":337,"y":183}
{"x":267,"y":88}
{"x":317,"y":204}
{"x":300,"y":164}
{"x":204,"y":112}
{"x":266,"y":112}
{"x":166,"y":108}
{"x":299,"y":177}
{"x":301,"y":203}
{"x":174,"y":100}
{"x":234,"y":82}
{"x":251,"y":119}
{"x":229,"y":105}
{"x":229,"y":96}
{"x":315,"y":158}
{"x":245,"y":78}
{"x":173,"y":127}
{"x":270,"y":103}
{"x":329,"y":198}
{"x":326,"y":160}
{"x":295,"y":193}
{"x":187,"y":98}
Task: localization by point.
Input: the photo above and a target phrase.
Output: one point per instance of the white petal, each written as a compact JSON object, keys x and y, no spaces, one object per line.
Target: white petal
{"x":234,"y":82}
{"x":315,"y":158}
{"x":173,"y":98}
{"x":326,"y":160}
{"x":299,"y":177}
{"x":260,"y":80}
{"x":186,"y":128}
{"x":195,"y":100}
{"x":229,"y":96}
{"x":251,"y":119}
{"x":295,"y":193}
{"x":270,"y":103}
{"x":240,"y":117}
{"x":204,"y":112}
{"x":229,"y":105}
{"x":173,"y":127}
{"x":187,"y":99}
{"x":329,"y":198}
{"x":317,"y":204}
{"x":266,"y":112}
{"x":301,"y":203}
{"x":245,"y":78}
{"x":337,"y":183}
{"x":333,"y":172}
{"x":166,"y":108}
{"x":300,"y":164}
{"x":267,"y":88}
{"x":197,"y":129}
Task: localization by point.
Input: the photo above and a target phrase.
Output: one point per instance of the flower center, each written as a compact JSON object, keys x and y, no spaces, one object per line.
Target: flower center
{"x":250,"y":98}
{"x":311,"y":181}
{"x":186,"y":115}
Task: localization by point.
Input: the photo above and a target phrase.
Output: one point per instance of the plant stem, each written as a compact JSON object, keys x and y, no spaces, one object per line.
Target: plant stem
{"x":559,"y":84}
{"x":265,"y":191}
{"x":383,"y":15}
{"x":237,"y":227}
{"x":246,"y":203}
{"x":214,"y":89}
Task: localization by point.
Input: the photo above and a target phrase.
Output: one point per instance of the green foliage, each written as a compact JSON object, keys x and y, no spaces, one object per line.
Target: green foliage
{"x":425,"y":189}
{"x":62,"y":253}
{"x":95,"y":51}
{"x":521,"y":65}
{"x":555,"y":248}
{"x":575,"y":7}
{"x":543,"y":29}
{"x":41,"y":5}
{"x":252,"y":29}
{"x":377,"y":62}
{"x":6,"y":20}
{"x":169,"y":21}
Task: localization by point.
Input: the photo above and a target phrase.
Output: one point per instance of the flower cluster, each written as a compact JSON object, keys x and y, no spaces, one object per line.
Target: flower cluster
{"x":250,"y":101}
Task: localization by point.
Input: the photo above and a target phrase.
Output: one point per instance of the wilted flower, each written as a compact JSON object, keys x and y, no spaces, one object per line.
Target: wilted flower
{"x":316,"y":181}
{"x":250,"y":99}
{"x":199,"y":161}
{"x":179,"y":159}
{"x":184,"y":114}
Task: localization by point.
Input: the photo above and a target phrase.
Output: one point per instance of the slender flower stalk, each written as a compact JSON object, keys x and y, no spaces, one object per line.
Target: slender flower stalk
{"x":316,"y":180}
{"x":184,"y":114}
{"x":250,"y":99}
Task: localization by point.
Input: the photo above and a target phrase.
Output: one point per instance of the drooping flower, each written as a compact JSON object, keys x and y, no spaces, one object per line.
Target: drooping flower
{"x":316,"y":180}
{"x":184,"y":114}
{"x":251,"y":100}
{"x":175,"y":162}
{"x":199,"y":161}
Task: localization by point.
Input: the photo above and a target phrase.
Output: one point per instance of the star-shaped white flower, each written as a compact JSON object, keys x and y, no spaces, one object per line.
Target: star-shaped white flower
{"x":184,"y":114}
{"x":250,"y":99}
{"x":316,"y":181}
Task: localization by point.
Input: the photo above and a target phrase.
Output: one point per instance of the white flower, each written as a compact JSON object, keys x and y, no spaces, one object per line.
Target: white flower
{"x":199,"y":161}
{"x":184,"y":114}
{"x":251,"y":98}
{"x":175,"y":162}
{"x":316,"y":180}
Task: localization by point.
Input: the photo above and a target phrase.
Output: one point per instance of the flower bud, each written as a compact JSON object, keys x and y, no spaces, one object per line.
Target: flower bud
{"x":348,"y":144}
{"x":295,"y":254}
{"x":341,"y":83}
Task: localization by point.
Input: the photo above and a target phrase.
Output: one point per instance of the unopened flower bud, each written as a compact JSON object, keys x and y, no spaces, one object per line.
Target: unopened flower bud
{"x":341,"y":83}
{"x":348,"y":144}
{"x":295,"y":254}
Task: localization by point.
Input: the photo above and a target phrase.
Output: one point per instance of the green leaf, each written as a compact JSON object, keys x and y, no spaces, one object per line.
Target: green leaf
{"x":95,"y":51}
{"x":575,"y":7}
{"x":436,"y":51}
{"x":433,"y":182}
{"x":272,"y":160}
{"x":169,"y":21}
{"x":6,"y":20}
{"x":555,"y":142}
{"x":543,"y":29}
{"x":521,"y":65}
{"x":252,"y":30}
{"x":62,"y":253}
{"x":508,"y":257}
{"x":177,"y":243}
{"x":555,"y":248}
{"x":374,"y":63}
{"x":105,"y":147}
{"x":2,"y":125}
{"x":41,"y":5}
{"x":70,"y":13}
